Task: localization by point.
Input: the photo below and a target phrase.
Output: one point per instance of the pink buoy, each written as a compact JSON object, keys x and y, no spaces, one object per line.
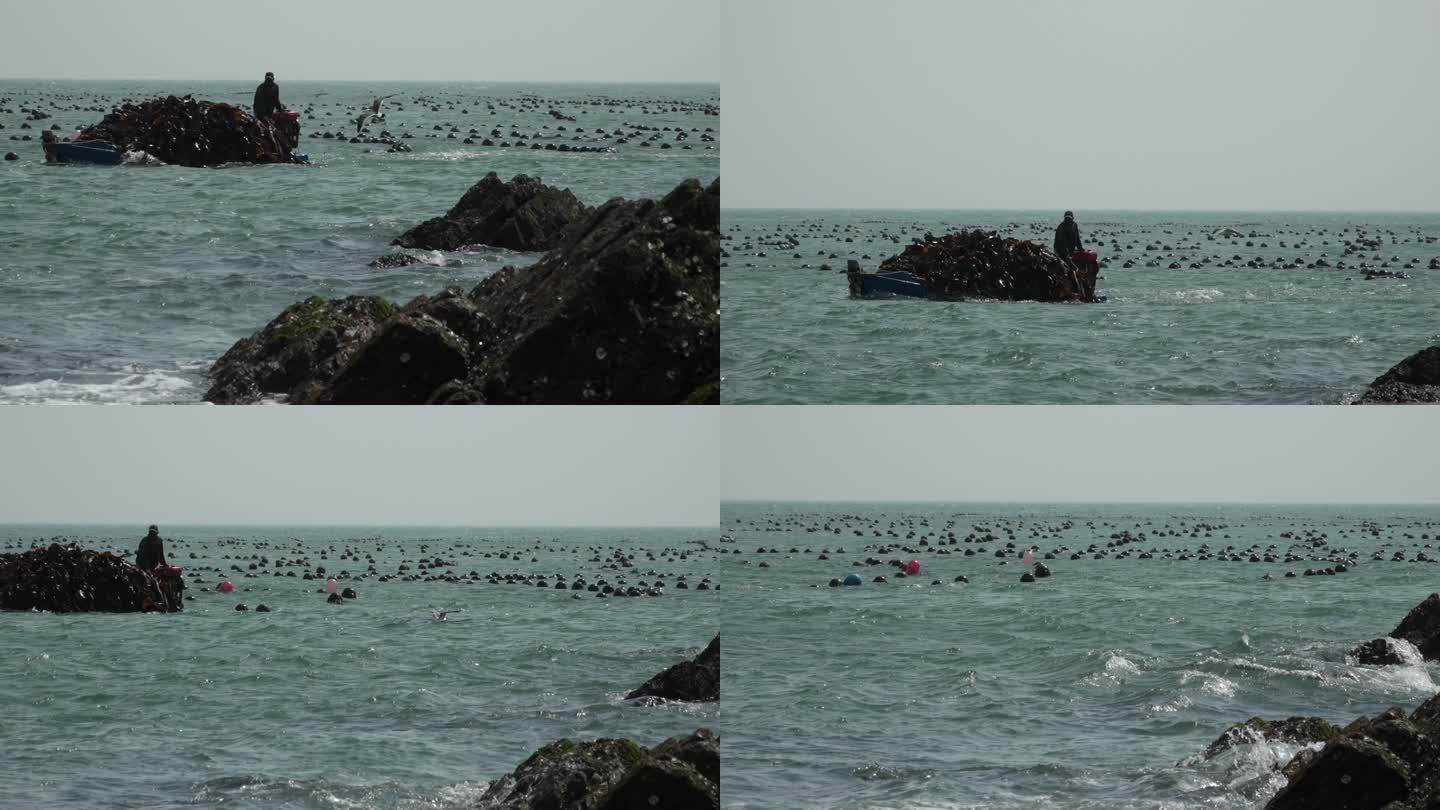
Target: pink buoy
{"x":912,"y":568}
{"x":330,"y":585}
{"x":1028,"y":557}
{"x":225,"y":587}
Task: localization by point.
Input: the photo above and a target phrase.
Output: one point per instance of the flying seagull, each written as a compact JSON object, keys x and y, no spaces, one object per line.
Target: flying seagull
{"x":373,"y":112}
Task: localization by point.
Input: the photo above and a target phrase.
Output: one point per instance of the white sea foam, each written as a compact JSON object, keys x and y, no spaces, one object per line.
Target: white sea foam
{"x":1201,"y":295}
{"x":140,"y":157}
{"x":1210,"y":683}
{"x":136,"y":386}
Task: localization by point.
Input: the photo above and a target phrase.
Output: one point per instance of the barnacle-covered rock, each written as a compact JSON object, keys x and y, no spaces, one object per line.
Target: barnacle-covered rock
{"x":625,"y":311}
{"x":523,"y":214}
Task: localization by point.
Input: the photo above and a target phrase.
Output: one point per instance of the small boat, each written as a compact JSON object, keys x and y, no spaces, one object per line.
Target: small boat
{"x":83,"y":152}
{"x":878,"y":285}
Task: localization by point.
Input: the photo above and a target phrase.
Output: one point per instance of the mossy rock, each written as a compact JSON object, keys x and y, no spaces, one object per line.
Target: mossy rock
{"x":299,"y":352}
{"x":1300,"y":730}
{"x":707,"y":394}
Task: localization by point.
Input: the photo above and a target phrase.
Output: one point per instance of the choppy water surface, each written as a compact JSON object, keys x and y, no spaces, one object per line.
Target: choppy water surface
{"x":1211,"y":330}
{"x":123,"y":284}
{"x":1094,"y":688}
{"x":369,"y":704}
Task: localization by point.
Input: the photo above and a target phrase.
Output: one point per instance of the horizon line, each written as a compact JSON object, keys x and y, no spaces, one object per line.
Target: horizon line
{"x":1090,"y":502}
{"x":348,"y":81}
{"x":353,"y":525}
{"x":724,"y":208}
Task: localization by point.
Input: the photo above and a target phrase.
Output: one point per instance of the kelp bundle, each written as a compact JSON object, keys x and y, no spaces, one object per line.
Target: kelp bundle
{"x":187,"y":132}
{"x":70,"y":579}
{"x":983,"y":264}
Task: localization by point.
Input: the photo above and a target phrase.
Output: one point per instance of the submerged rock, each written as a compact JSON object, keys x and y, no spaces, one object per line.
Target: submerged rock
{"x":181,"y":130}
{"x":696,"y":680}
{"x":390,"y":261}
{"x":524,"y":214}
{"x":612,"y":774}
{"x":626,"y":311}
{"x":1378,"y":652}
{"x":983,"y":264}
{"x":70,"y":579}
{"x":1414,"y":379}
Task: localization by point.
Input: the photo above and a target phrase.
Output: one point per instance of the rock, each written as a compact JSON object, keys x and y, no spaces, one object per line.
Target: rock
{"x":1421,"y":627}
{"x":1301,"y":730}
{"x":390,"y":261}
{"x":694,"y":681}
{"x":1414,"y":379}
{"x":983,"y":264}
{"x":1378,"y":652}
{"x":625,"y":312}
{"x":299,"y":352}
{"x":11,"y":156}
{"x":1347,"y":773}
{"x":611,"y":774}
{"x":409,"y":357}
{"x":1370,"y":763}
{"x":629,"y":312}
{"x":187,"y":132}
{"x":524,"y":214}
{"x":70,"y":579}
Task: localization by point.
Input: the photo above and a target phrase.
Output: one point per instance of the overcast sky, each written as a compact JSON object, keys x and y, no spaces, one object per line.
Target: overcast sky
{"x":1101,"y":104}
{"x":455,"y":40}
{"x":483,"y":466}
{"x":1095,"y":454}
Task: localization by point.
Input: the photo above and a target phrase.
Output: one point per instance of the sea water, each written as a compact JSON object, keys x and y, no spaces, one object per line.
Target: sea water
{"x":368,"y":704}
{"x":124,"y":284}
{"x":1199,"y":333}
{"x":1098,"y":687}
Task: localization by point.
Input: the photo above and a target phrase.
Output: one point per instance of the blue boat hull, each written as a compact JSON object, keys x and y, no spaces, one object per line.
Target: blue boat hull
{"x":100,"y":152}
{"x":878,"y":285}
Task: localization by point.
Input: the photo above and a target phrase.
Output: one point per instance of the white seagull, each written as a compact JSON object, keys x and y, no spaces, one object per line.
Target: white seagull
{"x":373,"y":112}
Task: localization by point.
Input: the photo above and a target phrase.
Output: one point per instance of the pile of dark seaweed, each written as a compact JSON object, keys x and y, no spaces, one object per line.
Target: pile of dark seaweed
{"x":983,"y":264}
{"x":70,"y":579}
{"x":187,"y":132}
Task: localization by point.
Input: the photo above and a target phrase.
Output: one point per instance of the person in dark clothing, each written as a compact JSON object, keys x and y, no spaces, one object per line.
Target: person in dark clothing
{"x":152,"y":551}
{"x":1067,"y":237}
{"x":267,"y":98}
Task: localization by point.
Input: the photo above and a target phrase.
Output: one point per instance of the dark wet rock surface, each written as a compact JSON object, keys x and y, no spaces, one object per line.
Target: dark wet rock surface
{"x":613,"y":774}
{"x":1414,"y":379}
{"x":523,"y":214}
{"x":189,"y":132}
{"x":70,"y":579}
{"x":696,"y":680}
{"x":390,"y":261}
{"x":626,"y":310}
{"x":1421,"y":627}
{"x":1391,"y":760}
{"x":1378,"y":652}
